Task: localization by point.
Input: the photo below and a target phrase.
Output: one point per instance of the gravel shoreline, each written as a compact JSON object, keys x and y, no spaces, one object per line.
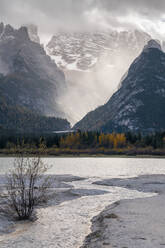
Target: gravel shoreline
{"x":60,"y":191}
{"x":137,"y":223}
{"x":124,"y":224}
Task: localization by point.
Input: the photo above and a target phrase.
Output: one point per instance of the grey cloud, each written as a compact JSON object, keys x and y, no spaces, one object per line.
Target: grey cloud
{"x":52,"y":15}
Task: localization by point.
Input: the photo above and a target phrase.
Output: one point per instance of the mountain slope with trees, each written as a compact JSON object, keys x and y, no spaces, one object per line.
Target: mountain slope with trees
{"x":30,"y":83}
{"x":139,"y":104}
{"x":20,"y":119}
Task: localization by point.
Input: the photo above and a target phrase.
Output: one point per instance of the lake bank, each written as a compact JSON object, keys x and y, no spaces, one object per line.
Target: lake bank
{"x":137,"y":153}
{"x":61,"y":190}
{"x":84,"y":156}
{"x":137,"y":223}
{"x":65,"y":221}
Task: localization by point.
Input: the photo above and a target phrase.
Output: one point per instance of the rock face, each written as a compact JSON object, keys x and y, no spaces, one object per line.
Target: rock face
{"x":82,"y":51}
{"x":93,"y":64}
{"x":139,"y":104}
{"x":28,"y":77}
{"x":33,"y":33}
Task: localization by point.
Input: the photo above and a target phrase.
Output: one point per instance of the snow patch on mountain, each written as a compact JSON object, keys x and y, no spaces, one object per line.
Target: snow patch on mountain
{"x":139,"y":103}
{"x":83,"y":50}
{"x":93,"y":63}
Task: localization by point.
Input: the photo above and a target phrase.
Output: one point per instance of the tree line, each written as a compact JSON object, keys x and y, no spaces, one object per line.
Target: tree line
{"x":82,"y":140}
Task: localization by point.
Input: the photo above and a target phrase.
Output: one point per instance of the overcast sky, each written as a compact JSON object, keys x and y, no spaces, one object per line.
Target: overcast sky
{"x":54,"y":15}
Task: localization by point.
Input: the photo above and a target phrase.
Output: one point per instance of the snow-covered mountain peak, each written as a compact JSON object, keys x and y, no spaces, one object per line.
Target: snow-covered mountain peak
{"x":94,"y":63}
{"x":82,"y":51}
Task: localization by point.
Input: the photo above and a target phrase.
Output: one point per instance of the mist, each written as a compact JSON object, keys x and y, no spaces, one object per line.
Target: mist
{"x":88,"y":90}
{"x":91,"y":87}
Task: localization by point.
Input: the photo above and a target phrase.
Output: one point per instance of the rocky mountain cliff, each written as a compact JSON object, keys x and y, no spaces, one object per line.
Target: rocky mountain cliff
{"x":33,"y":33}
{"x":29,"y":79}
{"x":139,"y":104}
{"x":82,"y":51}
{"x":93,"y":63}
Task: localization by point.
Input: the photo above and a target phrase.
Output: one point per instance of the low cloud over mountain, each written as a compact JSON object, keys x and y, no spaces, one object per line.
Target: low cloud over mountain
{"x":52,"y":16}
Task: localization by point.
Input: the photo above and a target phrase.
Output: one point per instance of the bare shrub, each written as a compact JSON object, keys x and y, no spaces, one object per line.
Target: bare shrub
{"x":27,"y":186}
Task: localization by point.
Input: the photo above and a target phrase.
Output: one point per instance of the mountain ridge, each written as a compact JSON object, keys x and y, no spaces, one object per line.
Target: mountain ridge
{"x":138,"y":104}
{"x":28,"y":77}
{"x":93,"y":63}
